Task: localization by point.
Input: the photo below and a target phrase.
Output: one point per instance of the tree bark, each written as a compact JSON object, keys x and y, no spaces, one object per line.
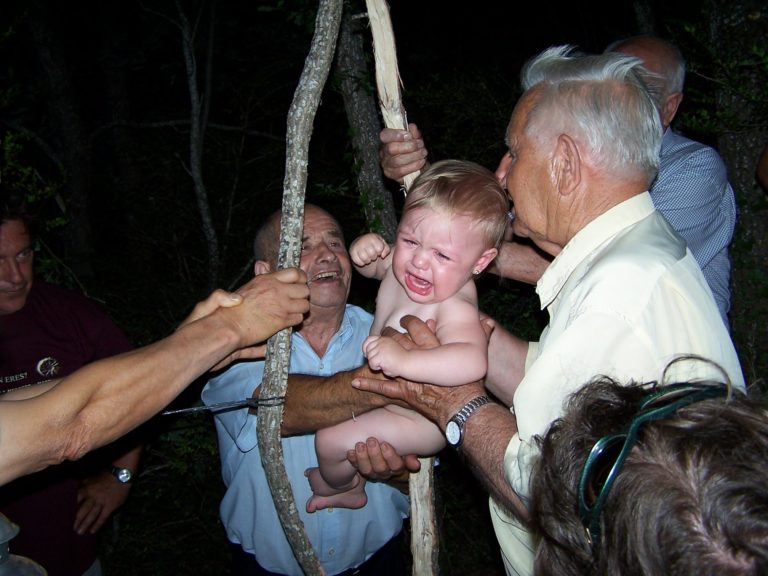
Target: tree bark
{"x":299,"y":130}
{"x":425,"y":546}
{"x":72,"y":143}
{"x":364,"y":123}
{"x":198,"y":120}
{"x":387,"y":74}
{"x":740,"y":35}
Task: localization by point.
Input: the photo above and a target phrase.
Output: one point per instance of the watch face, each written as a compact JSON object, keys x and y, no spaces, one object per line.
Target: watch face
{"x":452,"y":433}
{"x":124,"y":475}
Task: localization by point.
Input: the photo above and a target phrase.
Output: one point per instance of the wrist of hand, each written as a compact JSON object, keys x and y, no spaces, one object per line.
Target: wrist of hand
{"x":462,"y":395}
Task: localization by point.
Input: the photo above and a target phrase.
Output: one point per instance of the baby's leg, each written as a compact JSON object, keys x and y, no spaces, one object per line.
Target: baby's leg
{"x":336,"y":482}
{"x":406,"y":430}
{"x":411,"y":433}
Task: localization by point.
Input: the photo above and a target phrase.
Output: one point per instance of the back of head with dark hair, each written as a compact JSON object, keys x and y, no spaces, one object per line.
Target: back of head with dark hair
{"x":13,"y":207}
{"x":690,"y":499}
{"x":265,"y":244}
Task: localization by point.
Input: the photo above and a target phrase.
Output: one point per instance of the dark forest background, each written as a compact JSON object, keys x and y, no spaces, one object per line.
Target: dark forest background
{"x":150,"y":138}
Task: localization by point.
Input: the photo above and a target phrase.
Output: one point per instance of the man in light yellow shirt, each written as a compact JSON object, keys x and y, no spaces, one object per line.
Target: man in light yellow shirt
{"x":624,"y":294}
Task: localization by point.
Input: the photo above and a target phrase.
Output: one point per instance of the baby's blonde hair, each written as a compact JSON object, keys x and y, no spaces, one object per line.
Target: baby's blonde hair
{"x":459,"y":187}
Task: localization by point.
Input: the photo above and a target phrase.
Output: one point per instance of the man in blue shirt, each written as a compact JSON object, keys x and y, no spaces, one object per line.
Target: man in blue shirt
{"x":328,"y":341}
{"x":691,"y":189}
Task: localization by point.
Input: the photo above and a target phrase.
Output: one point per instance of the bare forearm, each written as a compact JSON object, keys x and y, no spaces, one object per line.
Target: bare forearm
{"x":129,"y":459}
{"x":315,"y":402}
{"x":29,"y":391}
{"x":520,"y":262}
{"x":486,"y":437}
{"x":506,"y":364}
{"x":487,"y":434}
{"x":104,"y":400}
{"x":447,"y":365}
{"x":128,"y":389}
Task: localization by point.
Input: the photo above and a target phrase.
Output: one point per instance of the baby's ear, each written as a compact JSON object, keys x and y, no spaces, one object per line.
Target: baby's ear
{"x":261,"y":267}
{"x":484,"y":261}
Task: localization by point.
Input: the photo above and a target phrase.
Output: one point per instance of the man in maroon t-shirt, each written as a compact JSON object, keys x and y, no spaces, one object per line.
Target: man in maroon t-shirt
{"x":48,"y":332}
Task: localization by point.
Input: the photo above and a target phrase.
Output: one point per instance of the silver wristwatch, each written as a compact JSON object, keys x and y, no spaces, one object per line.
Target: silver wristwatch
{"x":123,"y":475}
{"x":454,"y":430}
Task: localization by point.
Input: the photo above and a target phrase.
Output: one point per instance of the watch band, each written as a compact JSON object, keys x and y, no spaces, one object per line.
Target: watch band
{"x":454,"y":429}
{"x":466,"y":411}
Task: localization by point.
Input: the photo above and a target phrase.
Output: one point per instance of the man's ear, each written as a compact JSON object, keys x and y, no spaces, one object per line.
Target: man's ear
{"x":566,"y":165}
{"x":485,"y":259}
{"x":669,"y":109}
{"x":261,"y":267}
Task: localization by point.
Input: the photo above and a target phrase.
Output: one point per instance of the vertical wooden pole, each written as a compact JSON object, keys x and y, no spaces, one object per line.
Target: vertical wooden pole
{"x":299,"y":130}
{"x":425,"y":546}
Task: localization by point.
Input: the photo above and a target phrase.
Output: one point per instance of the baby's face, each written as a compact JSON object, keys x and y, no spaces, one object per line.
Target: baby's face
{"x":435,"y":254}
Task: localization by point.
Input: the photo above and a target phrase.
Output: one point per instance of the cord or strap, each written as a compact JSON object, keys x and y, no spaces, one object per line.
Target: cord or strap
{"x":224,"y":406}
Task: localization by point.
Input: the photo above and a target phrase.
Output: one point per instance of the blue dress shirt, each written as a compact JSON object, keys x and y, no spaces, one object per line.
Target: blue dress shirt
{"x":693,"y":193}
{"x":342,"y":538}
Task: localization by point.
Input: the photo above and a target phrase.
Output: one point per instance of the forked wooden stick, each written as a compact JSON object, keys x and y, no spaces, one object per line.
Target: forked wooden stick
{"x":301,"y":117}
{"x":425,"y":546}
{"x":387,"y":74}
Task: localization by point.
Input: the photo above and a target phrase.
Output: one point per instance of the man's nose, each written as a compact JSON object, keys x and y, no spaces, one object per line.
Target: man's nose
{"x":325,"y":252}
{"x":10,"y":271}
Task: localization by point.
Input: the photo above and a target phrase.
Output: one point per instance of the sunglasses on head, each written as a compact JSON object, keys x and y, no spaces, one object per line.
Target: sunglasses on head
{"x":608,"y":454}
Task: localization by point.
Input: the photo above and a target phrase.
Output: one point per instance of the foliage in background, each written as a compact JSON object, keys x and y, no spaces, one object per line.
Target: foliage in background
{"x":709,"y":69}
{"x":38,"y":193}
{"x":726,"y":106}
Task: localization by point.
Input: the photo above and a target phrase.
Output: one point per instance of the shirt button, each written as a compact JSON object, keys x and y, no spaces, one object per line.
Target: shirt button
{"x":331,"y":552}
{"x":322,"y":365}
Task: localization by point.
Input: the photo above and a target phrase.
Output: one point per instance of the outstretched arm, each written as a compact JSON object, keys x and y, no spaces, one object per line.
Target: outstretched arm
{"x":315,"y":402}
{"x":521,"y":262}
{"x":104,"y":400}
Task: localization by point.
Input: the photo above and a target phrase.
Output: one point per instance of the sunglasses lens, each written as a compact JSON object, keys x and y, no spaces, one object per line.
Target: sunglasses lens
{"x":601,"y":466}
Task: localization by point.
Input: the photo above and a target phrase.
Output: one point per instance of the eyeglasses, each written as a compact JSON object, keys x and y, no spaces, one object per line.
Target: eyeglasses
{"x":608,"y":454}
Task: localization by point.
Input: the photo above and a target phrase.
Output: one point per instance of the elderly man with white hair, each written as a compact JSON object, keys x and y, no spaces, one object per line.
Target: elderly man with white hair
{"x":623,"y":292}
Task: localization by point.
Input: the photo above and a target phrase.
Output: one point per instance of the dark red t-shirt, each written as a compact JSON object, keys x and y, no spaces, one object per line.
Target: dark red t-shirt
{"x":56,"y":332}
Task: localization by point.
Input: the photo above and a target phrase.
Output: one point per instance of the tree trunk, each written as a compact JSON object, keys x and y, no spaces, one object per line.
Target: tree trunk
{"x":645,"y":17}
{"x":740,"y":34}
{"x":72,"y":144}
{"x":364,"y":123}
{"x":199,"y":120}
{"x":299,"y":130}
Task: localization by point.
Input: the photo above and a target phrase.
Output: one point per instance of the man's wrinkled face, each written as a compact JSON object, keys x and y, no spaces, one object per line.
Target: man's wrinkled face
{"x":325,"y":259}
{"x":525,"y":171}
{"x":16,"y":260}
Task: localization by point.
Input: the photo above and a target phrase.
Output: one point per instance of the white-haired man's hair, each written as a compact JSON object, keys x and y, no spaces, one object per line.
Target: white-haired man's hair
{"x":601,"y":99}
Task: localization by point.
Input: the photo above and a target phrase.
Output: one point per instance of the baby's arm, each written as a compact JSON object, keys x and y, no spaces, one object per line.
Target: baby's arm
{"x":461,"y":358}
{"x":370,"y":254}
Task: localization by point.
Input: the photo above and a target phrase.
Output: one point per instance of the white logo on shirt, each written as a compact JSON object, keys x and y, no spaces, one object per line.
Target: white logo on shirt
{"x":48,"y":367}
